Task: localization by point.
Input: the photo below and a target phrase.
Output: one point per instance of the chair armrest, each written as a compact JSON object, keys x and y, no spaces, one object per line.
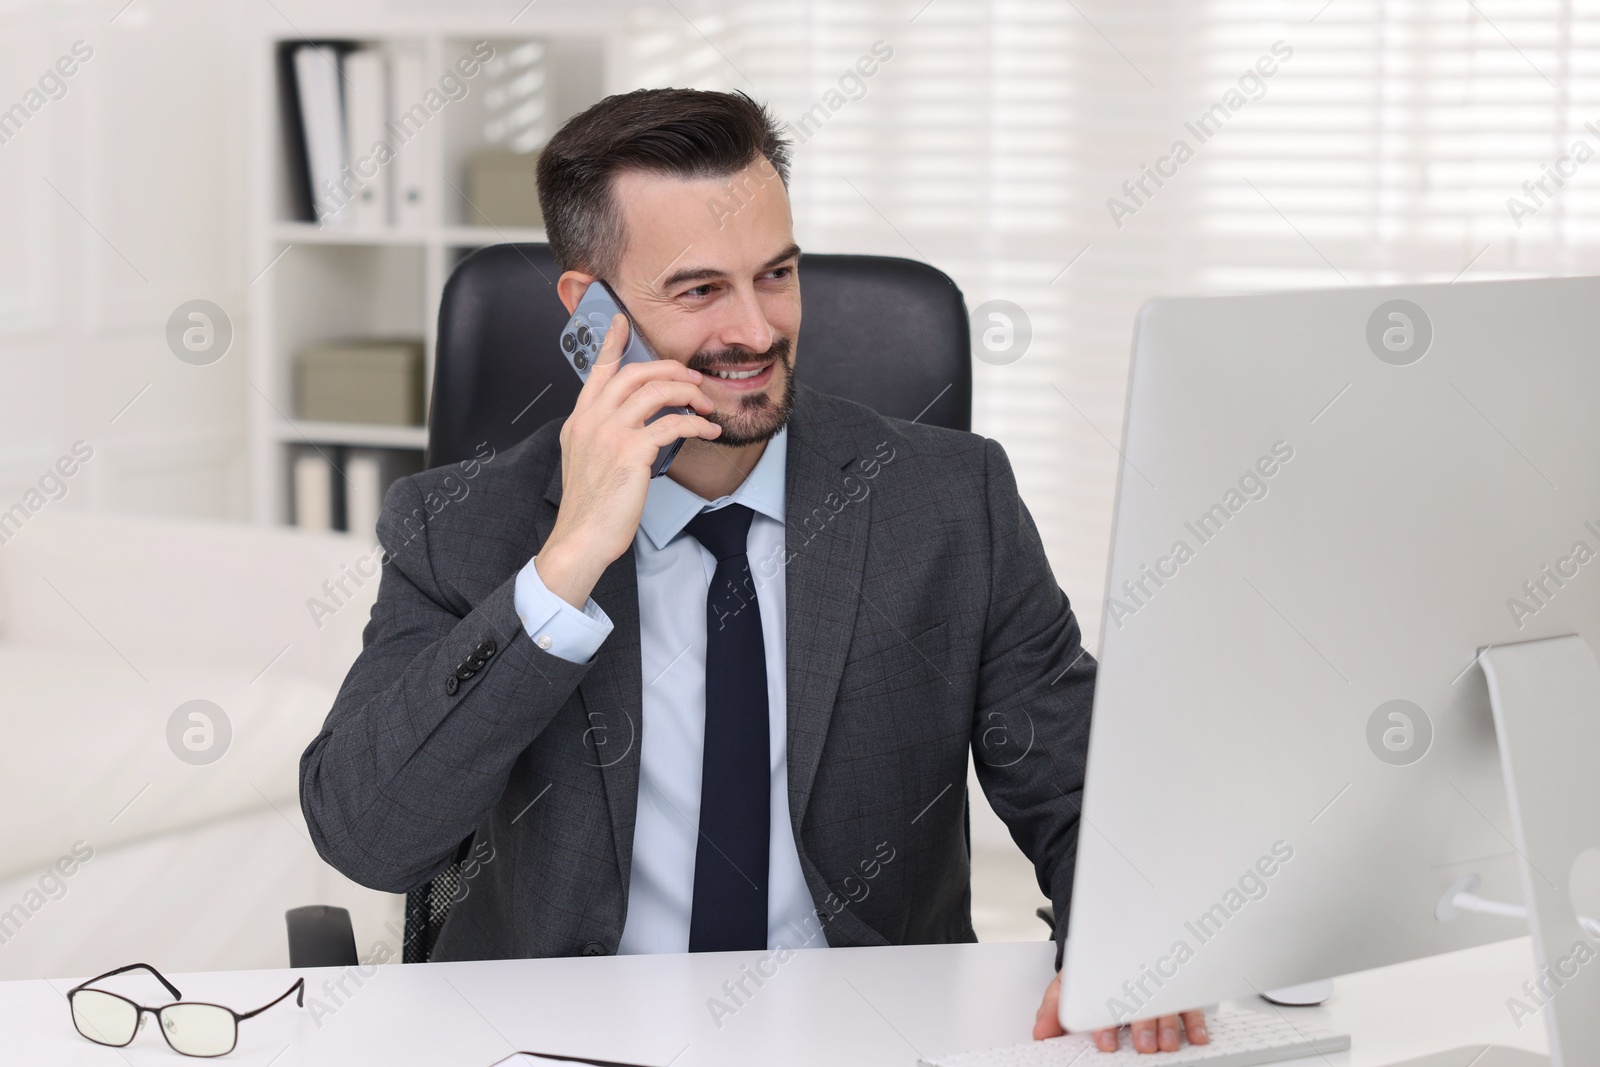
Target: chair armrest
{"x":320,"y":936}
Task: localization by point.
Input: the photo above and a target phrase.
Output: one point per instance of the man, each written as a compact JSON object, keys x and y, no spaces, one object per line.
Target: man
{"x":729,"y":707}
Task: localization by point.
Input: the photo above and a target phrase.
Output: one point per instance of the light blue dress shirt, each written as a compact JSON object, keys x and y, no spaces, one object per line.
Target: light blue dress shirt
{"x":674,"y":574}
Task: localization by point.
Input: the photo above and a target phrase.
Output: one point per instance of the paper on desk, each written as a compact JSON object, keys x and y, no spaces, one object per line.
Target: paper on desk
{"x":521,"y":1059}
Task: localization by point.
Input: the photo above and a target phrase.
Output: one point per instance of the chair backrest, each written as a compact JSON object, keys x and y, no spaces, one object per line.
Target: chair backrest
{"x":888,"y":333}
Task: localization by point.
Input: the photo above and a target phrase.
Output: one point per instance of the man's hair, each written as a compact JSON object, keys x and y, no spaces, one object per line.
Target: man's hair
{"x":679,"y":133}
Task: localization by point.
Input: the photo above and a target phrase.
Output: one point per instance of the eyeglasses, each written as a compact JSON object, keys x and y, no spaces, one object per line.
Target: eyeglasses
{"x":192,"y":1028}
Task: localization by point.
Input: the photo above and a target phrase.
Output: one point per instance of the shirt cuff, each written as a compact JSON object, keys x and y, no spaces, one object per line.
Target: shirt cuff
{"x":555,"y":625}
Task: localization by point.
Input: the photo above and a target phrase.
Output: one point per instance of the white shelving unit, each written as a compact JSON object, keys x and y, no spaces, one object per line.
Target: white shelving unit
{"x":319,"y":284}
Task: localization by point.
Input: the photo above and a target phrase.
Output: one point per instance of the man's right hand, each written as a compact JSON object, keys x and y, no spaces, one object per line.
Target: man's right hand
{"x":606,"y":455}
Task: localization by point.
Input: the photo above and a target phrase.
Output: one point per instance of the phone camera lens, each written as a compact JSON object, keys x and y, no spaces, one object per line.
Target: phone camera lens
{"x":569,"y":343}
{"x":583,"y":335}
{"x":581,"y":361}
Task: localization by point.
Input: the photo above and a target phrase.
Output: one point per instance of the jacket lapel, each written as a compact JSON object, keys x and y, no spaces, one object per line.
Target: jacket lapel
{"x":611,"y":691}
{"x":826,"y":549}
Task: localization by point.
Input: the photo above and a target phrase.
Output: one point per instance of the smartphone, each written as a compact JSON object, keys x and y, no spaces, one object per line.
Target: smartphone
{"x":585,"y":332}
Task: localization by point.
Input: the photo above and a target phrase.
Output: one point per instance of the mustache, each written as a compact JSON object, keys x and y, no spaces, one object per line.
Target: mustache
{"x":715,"y":358}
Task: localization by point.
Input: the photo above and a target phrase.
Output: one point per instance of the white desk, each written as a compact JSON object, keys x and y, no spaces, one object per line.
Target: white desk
{"x":824,"y":1008}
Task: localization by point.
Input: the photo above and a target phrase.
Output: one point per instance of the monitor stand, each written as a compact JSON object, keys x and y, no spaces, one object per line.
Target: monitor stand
{"x":1546,"y":700}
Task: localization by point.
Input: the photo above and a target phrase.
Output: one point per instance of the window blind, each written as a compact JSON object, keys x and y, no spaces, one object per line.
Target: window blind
{"x":1017,"y":145}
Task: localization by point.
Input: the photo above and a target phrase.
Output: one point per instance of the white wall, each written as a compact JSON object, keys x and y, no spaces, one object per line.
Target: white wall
{"x":123,"y":198}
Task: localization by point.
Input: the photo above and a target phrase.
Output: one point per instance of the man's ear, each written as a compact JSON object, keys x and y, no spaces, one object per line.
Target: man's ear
{"x":570,"y":288}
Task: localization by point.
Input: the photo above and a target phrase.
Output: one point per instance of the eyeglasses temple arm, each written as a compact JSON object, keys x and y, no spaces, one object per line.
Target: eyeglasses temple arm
{"x":134,"y":967}
{"x":299,"y":986}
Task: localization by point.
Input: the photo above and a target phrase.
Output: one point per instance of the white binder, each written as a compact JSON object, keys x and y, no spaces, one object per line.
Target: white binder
{"x":408,"y":132}
{"x":366,"y":112}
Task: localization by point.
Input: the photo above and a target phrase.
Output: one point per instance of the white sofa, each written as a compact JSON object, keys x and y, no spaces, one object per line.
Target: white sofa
{"x":107,"y":625}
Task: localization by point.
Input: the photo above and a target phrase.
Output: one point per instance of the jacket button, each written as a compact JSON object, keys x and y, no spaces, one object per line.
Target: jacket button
{"x":594,"y":948}
{"x":451,"y":685}
{"x":487,"y":649}
{"x":465,"y":671}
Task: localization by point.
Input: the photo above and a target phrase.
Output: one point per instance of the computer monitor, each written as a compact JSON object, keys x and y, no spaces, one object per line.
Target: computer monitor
{"x":1329,"y":503}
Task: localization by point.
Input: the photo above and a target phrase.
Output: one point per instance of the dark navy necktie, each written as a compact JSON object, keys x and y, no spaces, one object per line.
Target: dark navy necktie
{"x":730,"y":863}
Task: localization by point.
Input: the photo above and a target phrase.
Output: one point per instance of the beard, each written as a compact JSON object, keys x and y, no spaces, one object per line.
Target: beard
{"x":757,"y":417}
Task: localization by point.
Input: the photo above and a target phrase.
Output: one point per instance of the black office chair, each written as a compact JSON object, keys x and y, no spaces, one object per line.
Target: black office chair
{"x":888,"y":333}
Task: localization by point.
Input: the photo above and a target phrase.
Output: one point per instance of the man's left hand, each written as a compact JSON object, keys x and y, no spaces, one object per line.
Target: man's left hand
{"x":1149,"y":1035}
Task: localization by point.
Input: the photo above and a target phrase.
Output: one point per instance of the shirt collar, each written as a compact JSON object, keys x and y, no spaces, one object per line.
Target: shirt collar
{"x":668,"y":506}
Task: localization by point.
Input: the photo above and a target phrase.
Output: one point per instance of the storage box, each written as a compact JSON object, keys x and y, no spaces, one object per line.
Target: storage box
{"x":360,"y":381}
{"x":503,"y":188}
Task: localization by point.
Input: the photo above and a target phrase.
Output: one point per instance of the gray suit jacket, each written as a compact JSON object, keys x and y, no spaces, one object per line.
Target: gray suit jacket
{"x":923,"y":620}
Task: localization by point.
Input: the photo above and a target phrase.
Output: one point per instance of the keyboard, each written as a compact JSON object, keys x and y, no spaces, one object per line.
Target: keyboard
{"x":1238,"y":1039}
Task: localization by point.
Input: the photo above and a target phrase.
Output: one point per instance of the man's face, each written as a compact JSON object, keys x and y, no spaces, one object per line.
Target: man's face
{"x":710,"y":274}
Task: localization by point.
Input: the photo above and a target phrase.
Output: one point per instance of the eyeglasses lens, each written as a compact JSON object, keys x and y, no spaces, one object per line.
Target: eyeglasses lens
{"x":104,"y":1018}
{"x":199,"y":1029}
